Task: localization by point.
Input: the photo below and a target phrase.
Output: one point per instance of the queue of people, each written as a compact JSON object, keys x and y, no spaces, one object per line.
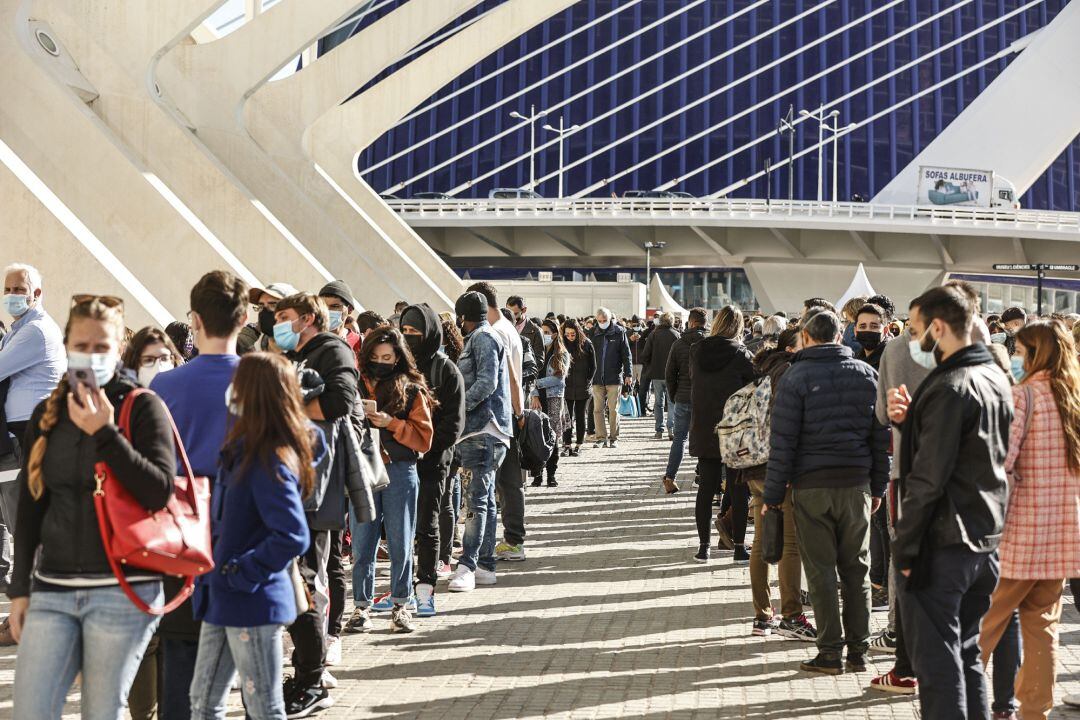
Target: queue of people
{"x":927,"y":465}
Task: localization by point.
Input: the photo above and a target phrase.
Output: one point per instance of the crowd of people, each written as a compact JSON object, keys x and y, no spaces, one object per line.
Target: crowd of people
{"x":926,"y":463}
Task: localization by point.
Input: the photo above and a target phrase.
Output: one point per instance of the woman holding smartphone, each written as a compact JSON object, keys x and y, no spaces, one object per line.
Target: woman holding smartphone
{"x":258,"y":528}
{"x":399,"y":404}
{"x":69,"y":614}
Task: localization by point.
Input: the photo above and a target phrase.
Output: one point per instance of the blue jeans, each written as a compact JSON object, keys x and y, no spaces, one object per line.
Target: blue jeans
{"x":253,"y":651}
{"x":681,"y":413}
{"x":659,"y":388}
{"x":481,"y":455}
{"x":395,"y":508}
{"x":94,"y":630}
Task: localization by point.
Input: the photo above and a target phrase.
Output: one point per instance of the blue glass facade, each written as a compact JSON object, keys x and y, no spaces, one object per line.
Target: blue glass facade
{"x":739,"y":109}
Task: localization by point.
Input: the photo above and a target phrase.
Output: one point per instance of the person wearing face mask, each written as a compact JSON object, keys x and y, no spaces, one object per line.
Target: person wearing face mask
{"x":68,"y":610}
{"x":196,"y":395}
{"x":423,"y":334}
{"x":403,"y":415}
{"x":547,"y":395}
{"x":526,"y":327}
{"x":871,"y":333}
{"x":32,"y":361}
{"x":149,"y":353}
{"x":613,"y":371}
{"x":1012,"y":320}
{"x":260,"y":334}
{"x":952,"y":494}
{"x":340,"y":306}
{"x":300,"y":330}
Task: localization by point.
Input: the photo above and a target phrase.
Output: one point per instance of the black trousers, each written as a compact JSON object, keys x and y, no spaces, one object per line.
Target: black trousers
{"x":335,"y":576}
{"x":309,"y":643}
{"x":736,"y":496}
{"x":434,"y":490}
{"x":879,"y":546}
{"x":576,"y":409}
{"x":941,"y":614}
{"x":448,"y":515}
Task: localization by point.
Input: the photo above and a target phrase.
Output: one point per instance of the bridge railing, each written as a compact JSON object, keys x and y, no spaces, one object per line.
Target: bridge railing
{"x":707,"y":208}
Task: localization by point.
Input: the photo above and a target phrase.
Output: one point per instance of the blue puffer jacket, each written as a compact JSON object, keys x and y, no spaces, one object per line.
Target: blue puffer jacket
{"x":823,"y":419}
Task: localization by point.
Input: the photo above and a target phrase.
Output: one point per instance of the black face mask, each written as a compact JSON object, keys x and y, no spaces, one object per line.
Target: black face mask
{"x":413,"y":341}
{"x":381,"y":370}
{"x":869,"y":339}
{"x":266,"y":322}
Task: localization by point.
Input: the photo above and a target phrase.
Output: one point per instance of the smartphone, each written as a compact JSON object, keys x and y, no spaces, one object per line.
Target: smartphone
{"x":370,"y":406}
{"x":81,"y":376}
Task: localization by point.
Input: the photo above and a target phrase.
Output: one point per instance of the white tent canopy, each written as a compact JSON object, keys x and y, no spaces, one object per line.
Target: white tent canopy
{"x":860,"y":287}
{"x":661,"y":299}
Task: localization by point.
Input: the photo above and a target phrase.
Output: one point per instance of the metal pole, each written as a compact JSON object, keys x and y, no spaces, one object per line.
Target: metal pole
{"x":648,"y":274}
{"x":835,"y":158}
{"x":768,"y":180}
{"x":791,"y":160}
{"x":820,"y":154}
{"x":532,"y":145}
{"x":562,"y":155}
{"x":1040,"y":273}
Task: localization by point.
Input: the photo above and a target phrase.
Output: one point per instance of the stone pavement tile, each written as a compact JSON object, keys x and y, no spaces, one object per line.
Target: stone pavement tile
{"x":608,"y":618}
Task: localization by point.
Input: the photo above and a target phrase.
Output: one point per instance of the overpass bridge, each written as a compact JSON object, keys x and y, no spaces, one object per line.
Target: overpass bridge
{"x":789,"y":250}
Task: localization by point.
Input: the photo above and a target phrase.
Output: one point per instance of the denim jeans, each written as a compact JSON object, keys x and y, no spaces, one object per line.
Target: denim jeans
{"x":395,"y":509}
{"x":659,"y":388}
{"x":94,"y":630}
{"x":481,"y":456}
{"x":254,"y":652}
{"x":681,"y":413}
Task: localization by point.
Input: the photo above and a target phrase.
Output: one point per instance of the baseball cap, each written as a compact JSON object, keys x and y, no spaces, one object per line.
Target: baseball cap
{"x":278,"y":290}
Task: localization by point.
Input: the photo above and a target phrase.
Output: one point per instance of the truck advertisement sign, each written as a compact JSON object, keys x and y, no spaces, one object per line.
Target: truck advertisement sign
{"x":943,"y":186}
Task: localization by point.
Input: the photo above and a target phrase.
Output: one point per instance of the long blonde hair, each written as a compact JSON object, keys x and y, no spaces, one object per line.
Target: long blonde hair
{"x":1052,"y":349}
{"x":101,"y":309}
{"x":728,"y":323}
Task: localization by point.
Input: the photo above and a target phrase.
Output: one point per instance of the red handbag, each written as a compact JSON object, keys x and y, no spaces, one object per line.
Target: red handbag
{"x":171,"y":541}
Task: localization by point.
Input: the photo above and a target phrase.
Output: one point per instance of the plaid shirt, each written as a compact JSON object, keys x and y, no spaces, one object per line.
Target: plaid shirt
{"x":1042,"y":525}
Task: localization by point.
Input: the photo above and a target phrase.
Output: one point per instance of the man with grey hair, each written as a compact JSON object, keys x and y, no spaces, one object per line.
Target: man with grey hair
{"x":32,"y":361}
{"x":828,"y":445}
{"x":612,"y":372}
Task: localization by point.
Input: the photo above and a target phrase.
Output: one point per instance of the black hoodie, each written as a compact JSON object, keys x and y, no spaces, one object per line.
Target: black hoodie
{"x":718,"y":367}
{"x":445,"y":382}
{"x":331,"y":357}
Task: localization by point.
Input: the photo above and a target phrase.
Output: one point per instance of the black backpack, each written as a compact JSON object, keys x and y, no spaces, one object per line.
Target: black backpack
{"x":529,"y":367}
{"x":536,"y":441}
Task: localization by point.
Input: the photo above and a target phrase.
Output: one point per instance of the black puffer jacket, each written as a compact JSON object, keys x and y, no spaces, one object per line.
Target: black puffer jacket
{"x":333,"y":359}
{"x":612,"y":355}
{"x":63,"y":522}
{"x":582,"y":369}
{"x":444,"y":380}
{"x":655,"y":354}
{"x":677,"y":372}
{"x":718,"y":367}
{"x":824,"y":430}
{"x":952,"y":486}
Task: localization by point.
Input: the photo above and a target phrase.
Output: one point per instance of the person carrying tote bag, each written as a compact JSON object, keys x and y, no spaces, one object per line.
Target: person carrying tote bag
{"x":70,"y":614}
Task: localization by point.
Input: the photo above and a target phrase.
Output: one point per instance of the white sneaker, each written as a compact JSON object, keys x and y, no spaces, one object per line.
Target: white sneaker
{"x":484,"y":577}
{"x":463,"y":580}
{"x":1071,"y":700}
{"x":328,"y":681}
{"x":425,"y":600}
{"x":333,"y":650}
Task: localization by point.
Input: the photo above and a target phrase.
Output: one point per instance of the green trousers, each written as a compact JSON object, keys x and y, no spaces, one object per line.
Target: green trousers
{"x":833,"y":527}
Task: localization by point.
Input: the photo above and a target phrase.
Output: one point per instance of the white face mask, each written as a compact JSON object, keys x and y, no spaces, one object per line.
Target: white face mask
{"x":147,"y":374}
{"x":103,"y":365}
{"x":926,"y":358}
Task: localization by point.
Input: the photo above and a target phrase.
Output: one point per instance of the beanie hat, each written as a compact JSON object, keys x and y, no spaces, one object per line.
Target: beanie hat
{"x":471,"y":306}
{"x":340,"y":290}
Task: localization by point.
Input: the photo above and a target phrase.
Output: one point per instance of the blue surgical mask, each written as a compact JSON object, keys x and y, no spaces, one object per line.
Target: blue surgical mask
{"x":1016,"y":364}
{"x":103,"y":365}
{"x":286,"y":338}
{"x":336,"y":317}
{"x":923,"y":357}
{"x":16,"y":305}
{"x":998,"y":338}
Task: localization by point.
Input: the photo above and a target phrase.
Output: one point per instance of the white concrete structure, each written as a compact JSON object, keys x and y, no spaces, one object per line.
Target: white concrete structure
{"x":577,"y":298}
{"x":141,"y":151}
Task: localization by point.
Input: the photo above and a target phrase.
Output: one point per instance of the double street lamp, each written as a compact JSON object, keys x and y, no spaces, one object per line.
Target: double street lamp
{"x":649,"y":247}
{"x":820,"y":116}
{"x":531,"y":119}
{"x":563,"y":132}
{"x":836,"y":131}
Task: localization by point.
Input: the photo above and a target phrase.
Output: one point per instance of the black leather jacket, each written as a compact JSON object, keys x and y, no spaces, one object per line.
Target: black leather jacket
{"x":952,"y":486}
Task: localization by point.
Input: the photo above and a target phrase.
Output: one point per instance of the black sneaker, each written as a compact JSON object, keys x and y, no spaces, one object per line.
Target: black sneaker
{"x":884,"y":642}
{"x":537,"y":481}
{"x":856,"y":662}
{"x":702,"y":555}
{"x":762,"y":628}
{"x":552,"y":482}
{"x":823,"y":665}
{"x":797,"y":628}
{"x":742,"y":555}
{"x":304,"y":702}
{"x":879,"y":598}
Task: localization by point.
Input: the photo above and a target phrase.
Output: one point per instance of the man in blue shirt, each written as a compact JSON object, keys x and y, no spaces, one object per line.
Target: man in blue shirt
{"x":196,"y":396}
{"x":32,"y":361}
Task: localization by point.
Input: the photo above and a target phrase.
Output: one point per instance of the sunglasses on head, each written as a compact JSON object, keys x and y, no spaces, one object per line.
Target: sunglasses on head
{"x":109,"y":301}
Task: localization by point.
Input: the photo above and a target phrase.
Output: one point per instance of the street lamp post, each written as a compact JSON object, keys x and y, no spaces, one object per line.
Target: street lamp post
{"x":649,"y":247}
{"x":836,"y":131}
{"x":533,"y":117}
{"x":820,"y":116}
{"x":563,"y":132}
{"x":787,"y":125}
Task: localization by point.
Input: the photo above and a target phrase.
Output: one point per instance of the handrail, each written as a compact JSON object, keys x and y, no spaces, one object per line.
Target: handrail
{"x":698,"y":208}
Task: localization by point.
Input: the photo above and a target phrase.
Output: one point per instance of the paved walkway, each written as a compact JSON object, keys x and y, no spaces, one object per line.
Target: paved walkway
{"x":608,"y":618}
